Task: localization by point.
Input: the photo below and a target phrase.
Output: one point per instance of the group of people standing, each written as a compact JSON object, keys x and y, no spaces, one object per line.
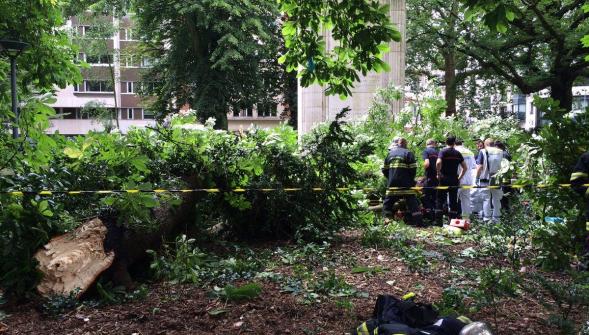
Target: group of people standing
{"x":451,"y":175}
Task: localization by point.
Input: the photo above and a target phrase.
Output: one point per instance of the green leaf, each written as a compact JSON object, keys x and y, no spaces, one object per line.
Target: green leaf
{"x":73,"y":153}
{"x":282,"y":59}
{"x":217,"y":311}
{"x":502,"y":28}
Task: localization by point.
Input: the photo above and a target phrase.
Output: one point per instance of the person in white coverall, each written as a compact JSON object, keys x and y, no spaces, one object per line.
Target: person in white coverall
{"x":467,"y":180}
{"x":488,"y":164}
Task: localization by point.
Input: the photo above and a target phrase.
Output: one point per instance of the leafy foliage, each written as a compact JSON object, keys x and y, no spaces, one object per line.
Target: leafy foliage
{"x":362,"y":30}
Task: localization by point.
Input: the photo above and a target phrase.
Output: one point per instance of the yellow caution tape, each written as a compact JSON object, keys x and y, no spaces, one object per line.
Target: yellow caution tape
{"x":292,"y":189}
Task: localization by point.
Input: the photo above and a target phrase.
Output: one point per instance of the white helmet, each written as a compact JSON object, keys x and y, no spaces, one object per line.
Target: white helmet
{"x":476,"y":328}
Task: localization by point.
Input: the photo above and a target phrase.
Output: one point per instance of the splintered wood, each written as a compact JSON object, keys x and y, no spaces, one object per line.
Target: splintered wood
{"x":72,"y":262}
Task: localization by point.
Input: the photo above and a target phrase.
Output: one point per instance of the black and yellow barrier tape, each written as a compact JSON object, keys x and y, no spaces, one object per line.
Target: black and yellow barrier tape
{"x":288,"y":190}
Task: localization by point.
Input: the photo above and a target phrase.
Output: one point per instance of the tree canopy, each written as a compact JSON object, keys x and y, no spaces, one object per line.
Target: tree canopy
{"x":532,"y":44}
{"x":215,"y":55}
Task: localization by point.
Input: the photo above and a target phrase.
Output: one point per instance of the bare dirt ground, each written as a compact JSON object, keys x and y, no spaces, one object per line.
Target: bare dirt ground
{"x":186,"y":309}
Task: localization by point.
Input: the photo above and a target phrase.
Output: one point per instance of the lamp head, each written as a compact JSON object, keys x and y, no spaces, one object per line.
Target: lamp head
{"x":12,"y":48}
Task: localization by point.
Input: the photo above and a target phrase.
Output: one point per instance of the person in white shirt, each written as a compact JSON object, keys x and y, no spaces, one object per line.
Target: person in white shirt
{"x":467,"y":180}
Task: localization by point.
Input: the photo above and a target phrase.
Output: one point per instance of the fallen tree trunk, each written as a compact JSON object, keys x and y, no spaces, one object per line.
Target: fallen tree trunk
{"x":70,"y":263}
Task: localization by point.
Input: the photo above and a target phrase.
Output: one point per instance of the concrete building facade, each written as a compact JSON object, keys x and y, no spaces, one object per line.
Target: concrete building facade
{"x":315,"y":107}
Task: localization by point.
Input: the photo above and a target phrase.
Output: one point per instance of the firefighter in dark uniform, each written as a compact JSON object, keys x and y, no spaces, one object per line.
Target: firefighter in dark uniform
{"x":579,"y":181}
{"x":400,"y":168}
{"x":430,"y":156}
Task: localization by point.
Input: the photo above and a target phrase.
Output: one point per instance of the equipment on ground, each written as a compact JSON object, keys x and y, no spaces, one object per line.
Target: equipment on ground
{"x":463,"y":224}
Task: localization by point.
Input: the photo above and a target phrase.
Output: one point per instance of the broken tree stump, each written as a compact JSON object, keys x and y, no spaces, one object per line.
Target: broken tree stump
{"x":73,"y":261}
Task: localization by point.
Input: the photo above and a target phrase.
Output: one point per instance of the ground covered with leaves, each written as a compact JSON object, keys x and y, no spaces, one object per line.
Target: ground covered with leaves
{"x":329,"y":288}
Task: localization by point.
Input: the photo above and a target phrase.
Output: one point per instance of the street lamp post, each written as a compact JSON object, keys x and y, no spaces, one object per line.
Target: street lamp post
{"x":12,"y":49}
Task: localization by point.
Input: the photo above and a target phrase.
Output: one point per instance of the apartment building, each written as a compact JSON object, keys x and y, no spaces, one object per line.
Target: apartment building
{"x":529,"y":116}
{"x":113,"y":79}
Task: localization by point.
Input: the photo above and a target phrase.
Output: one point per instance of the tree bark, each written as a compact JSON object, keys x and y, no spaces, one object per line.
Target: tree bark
{"x":562,"y":91}
{"x":450,"y":81}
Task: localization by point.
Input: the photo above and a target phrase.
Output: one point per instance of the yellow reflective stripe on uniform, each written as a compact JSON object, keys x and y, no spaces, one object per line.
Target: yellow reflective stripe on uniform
{"x":408,"y":296}
{"x":17,"y":193}
{"x":363,"y":329}
{"x":578,"y":175}
{"x":45,"y":193}
{"x":587,"y":225}
{"x":403,"y":166}
{"x":132,"y":191}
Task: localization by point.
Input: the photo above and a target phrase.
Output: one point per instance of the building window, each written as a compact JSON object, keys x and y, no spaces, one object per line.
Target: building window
{"x":244,"y":112}
{"x":580,"y":103}
{"x":99,"y":59}
{"x":145,"y":62}
{"x":519,"y":106}
{"x":267,"y":110}
{"x":130,"y":86}
{"x":76,"y":88}
{"x":83,"y":30}
{"x":148,"y":115}
{"x":98,"y":86}
{"x":68,"y":113}
{"x":129,"y":113}
{"x":127,"y":34}
{"x":80,"y":57}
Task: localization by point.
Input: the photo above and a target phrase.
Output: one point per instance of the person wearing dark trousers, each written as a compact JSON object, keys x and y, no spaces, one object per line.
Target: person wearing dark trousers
{"x":430,"y":156}
{"x":449,"y":159}
{"x":506,"y":189}
{"x":400,"y":168}
{"x":579,"y":181}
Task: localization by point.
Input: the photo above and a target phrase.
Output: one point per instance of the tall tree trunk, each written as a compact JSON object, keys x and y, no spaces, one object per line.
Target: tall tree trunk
{"x":562,"y":90}
{"x":450,"y":81}
{"x":221,"y":121}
